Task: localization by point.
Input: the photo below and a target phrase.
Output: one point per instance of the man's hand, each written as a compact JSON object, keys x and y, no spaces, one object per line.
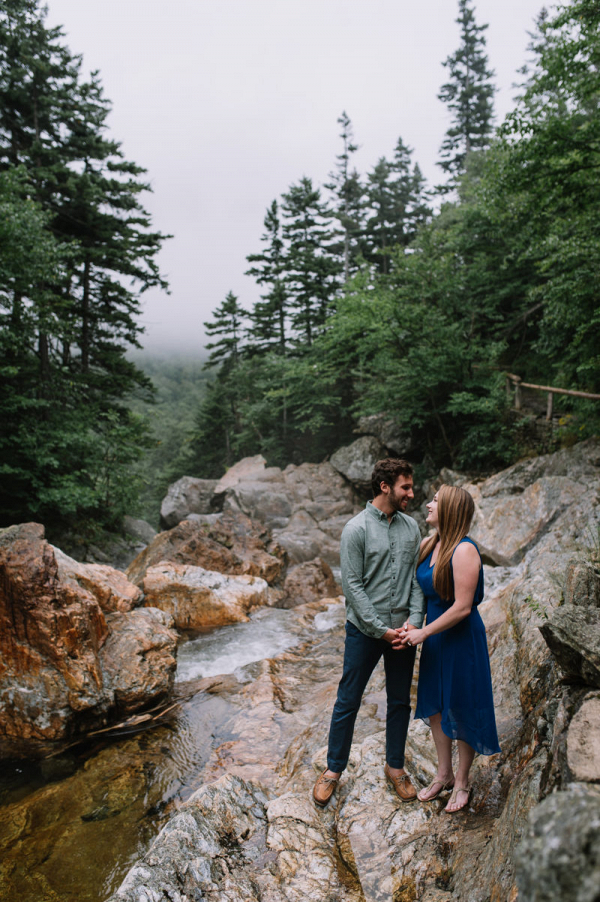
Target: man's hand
{"x":402,"y":635}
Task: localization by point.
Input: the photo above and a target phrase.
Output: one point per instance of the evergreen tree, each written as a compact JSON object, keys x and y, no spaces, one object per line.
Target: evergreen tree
{"x":468,"y":93}
{"x":227,"y":324}
{"x":269,"y":316}
{"x":53,"y":126}
{"x":397,"y":206}
{"x":311,"y":269}
{"x":348,"y":192}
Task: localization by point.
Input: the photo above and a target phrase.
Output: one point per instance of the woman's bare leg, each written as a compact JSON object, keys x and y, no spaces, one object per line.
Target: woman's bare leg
{"x":443,"y":746}
{"x":465,"y":759}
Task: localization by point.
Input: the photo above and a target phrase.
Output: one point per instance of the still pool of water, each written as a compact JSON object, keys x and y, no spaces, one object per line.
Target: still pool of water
{"x":71,"y":826}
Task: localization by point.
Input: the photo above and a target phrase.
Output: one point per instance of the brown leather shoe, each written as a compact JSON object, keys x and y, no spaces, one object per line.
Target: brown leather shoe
{"x":324,"y":788}
{"x":402,"y":785}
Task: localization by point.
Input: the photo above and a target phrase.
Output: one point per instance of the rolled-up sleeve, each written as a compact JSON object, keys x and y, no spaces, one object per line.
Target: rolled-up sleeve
{"x":352,"y":565}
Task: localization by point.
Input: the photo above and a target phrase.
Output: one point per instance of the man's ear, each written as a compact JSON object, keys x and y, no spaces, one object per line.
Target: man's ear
{"x":385,"y":488}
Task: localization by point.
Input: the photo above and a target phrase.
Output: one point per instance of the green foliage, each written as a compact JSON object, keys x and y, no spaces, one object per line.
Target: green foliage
{"x":76,"y":251}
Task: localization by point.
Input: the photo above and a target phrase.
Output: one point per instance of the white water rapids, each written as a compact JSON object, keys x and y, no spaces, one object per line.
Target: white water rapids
{"x":230,"y":648}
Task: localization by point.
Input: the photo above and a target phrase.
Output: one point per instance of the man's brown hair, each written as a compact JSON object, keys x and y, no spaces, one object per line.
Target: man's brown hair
{"x":388,"y":470}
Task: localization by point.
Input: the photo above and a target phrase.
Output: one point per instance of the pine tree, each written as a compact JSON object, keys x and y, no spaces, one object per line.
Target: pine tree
{"x":348,"y":192}
{"x":469,"y":95}
{"x":269,"y":316}
{"x":53,"y":126}
{"x":227,"y":324}
{"x":312,"y":270}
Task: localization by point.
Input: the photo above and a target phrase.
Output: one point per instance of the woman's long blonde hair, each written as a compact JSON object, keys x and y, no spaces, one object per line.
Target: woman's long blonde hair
{"x":455,"y":514}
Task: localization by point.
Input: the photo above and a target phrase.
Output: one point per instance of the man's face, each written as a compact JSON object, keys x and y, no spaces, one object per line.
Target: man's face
{"x":401,"y":492}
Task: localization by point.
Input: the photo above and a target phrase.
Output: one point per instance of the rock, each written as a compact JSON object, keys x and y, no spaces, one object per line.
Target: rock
{"x":560,"y":856}
{"x":186,"y":496}
{"x":139,"y":658}
{"x":111,"y":589}
{"x":356,"y":461}
{"x":508,"y":523}
{"x":139,"y":529}
{"x":247,"y":468}
{"x":53,"y":634}
{"x":582,"y":584}
{"x":389,"y":433}
{"x":573,"y":637}
{"x":307,"y":582}
{"x":228,"y":543}
{"x":211,"y":849}
{"x":271,"y":507}
{"x":199,"y":599}
{"x":303,"y":540}
{"x":583,"y":741}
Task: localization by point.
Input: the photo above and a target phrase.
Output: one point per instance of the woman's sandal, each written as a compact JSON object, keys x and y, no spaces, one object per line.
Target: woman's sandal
{"x":443,"y":787}
{"x":454,"y":796}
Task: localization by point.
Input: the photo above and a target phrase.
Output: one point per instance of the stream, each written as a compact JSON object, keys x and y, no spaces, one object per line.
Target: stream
{"x":71,"y":826}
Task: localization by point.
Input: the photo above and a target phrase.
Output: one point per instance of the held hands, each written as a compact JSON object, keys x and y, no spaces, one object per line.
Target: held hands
{"x":408,"y":635}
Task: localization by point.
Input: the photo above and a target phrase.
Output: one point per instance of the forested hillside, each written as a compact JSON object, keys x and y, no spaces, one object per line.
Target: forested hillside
{"x":379,"y":293}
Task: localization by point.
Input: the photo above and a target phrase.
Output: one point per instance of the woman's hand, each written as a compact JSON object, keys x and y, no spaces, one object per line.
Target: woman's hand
{"x":412,"y":636}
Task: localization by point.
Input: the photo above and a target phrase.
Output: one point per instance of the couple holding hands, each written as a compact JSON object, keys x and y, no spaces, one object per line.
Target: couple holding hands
{"x":389,"y":577}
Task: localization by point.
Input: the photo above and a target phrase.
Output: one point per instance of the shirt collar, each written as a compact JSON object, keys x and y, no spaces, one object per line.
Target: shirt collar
{"x":379,"y":515}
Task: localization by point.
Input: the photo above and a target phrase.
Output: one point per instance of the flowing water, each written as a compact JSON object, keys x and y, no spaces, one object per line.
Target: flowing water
{"x":71,"y":826}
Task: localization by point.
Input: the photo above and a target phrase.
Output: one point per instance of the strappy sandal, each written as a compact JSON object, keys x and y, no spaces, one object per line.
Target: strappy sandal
{"x":443,"y":787}
{"x":454,"y":796}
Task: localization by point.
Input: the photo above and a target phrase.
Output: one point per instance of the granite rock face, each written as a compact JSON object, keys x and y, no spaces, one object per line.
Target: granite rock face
{"x":305,"y":507}
{"x":57,"y":621}
{"x":184,"y":497}
{"x":369,"y":845}
{"x":389,"y":432}
{"x":309,"y":581}
{"x":573,"y":637}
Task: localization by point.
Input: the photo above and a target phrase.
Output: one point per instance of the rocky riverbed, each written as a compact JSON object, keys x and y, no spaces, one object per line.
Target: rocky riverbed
{"x":227,"y":781}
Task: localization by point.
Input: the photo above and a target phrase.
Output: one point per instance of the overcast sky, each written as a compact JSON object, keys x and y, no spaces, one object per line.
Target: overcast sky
{"x":228,"y":102}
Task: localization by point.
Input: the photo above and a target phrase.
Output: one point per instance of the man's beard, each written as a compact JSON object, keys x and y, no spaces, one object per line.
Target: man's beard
{"x":399,"y":504}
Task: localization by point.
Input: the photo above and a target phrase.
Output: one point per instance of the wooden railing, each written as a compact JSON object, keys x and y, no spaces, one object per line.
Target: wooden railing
{"x":519,"y":384}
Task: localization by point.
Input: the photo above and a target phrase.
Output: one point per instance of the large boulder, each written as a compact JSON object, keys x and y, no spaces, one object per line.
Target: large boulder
{"x":53,"y":633}
{"x":583,"y":741}
{"x":199,"y":599}
{"x":560,"y":856}
{"x":184,"y":497}
{"x":389,"y":432}
{"x":309,"y":581}
{"x":356,"y":461}
{"x":227,"y":543}
{"x":573,"y":636}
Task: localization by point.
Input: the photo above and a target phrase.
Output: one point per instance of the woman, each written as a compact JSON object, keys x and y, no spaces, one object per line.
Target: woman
{"x":455,"y":686}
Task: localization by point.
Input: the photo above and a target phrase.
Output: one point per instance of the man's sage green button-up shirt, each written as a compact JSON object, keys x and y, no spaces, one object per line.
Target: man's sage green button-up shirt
{"x":378,"y":559}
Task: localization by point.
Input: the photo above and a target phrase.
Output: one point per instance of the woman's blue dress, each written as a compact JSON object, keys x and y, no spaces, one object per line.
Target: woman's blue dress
{"x":454,"y":672}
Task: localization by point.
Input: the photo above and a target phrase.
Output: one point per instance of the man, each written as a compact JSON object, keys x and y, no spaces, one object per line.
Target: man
{"x":379,"y":552}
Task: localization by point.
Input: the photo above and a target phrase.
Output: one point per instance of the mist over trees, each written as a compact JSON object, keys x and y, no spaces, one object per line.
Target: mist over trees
{"x":377,"y":292}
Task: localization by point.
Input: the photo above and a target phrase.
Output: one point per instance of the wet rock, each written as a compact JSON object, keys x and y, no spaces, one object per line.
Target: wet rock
{"x":53,"y":634}
{"x":227,"y":543}
{"x":573,"y":637}
{"x":186,"y":496}
{"x":560,"y":856}
{"x":139,"y":658}
{"x":583,"y":741}
{"x":209,"y":850}
{"x":199,"y":599}
{"x":309,"y":581}
{"x":111,"y":588}
{"x":356,"y":461}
